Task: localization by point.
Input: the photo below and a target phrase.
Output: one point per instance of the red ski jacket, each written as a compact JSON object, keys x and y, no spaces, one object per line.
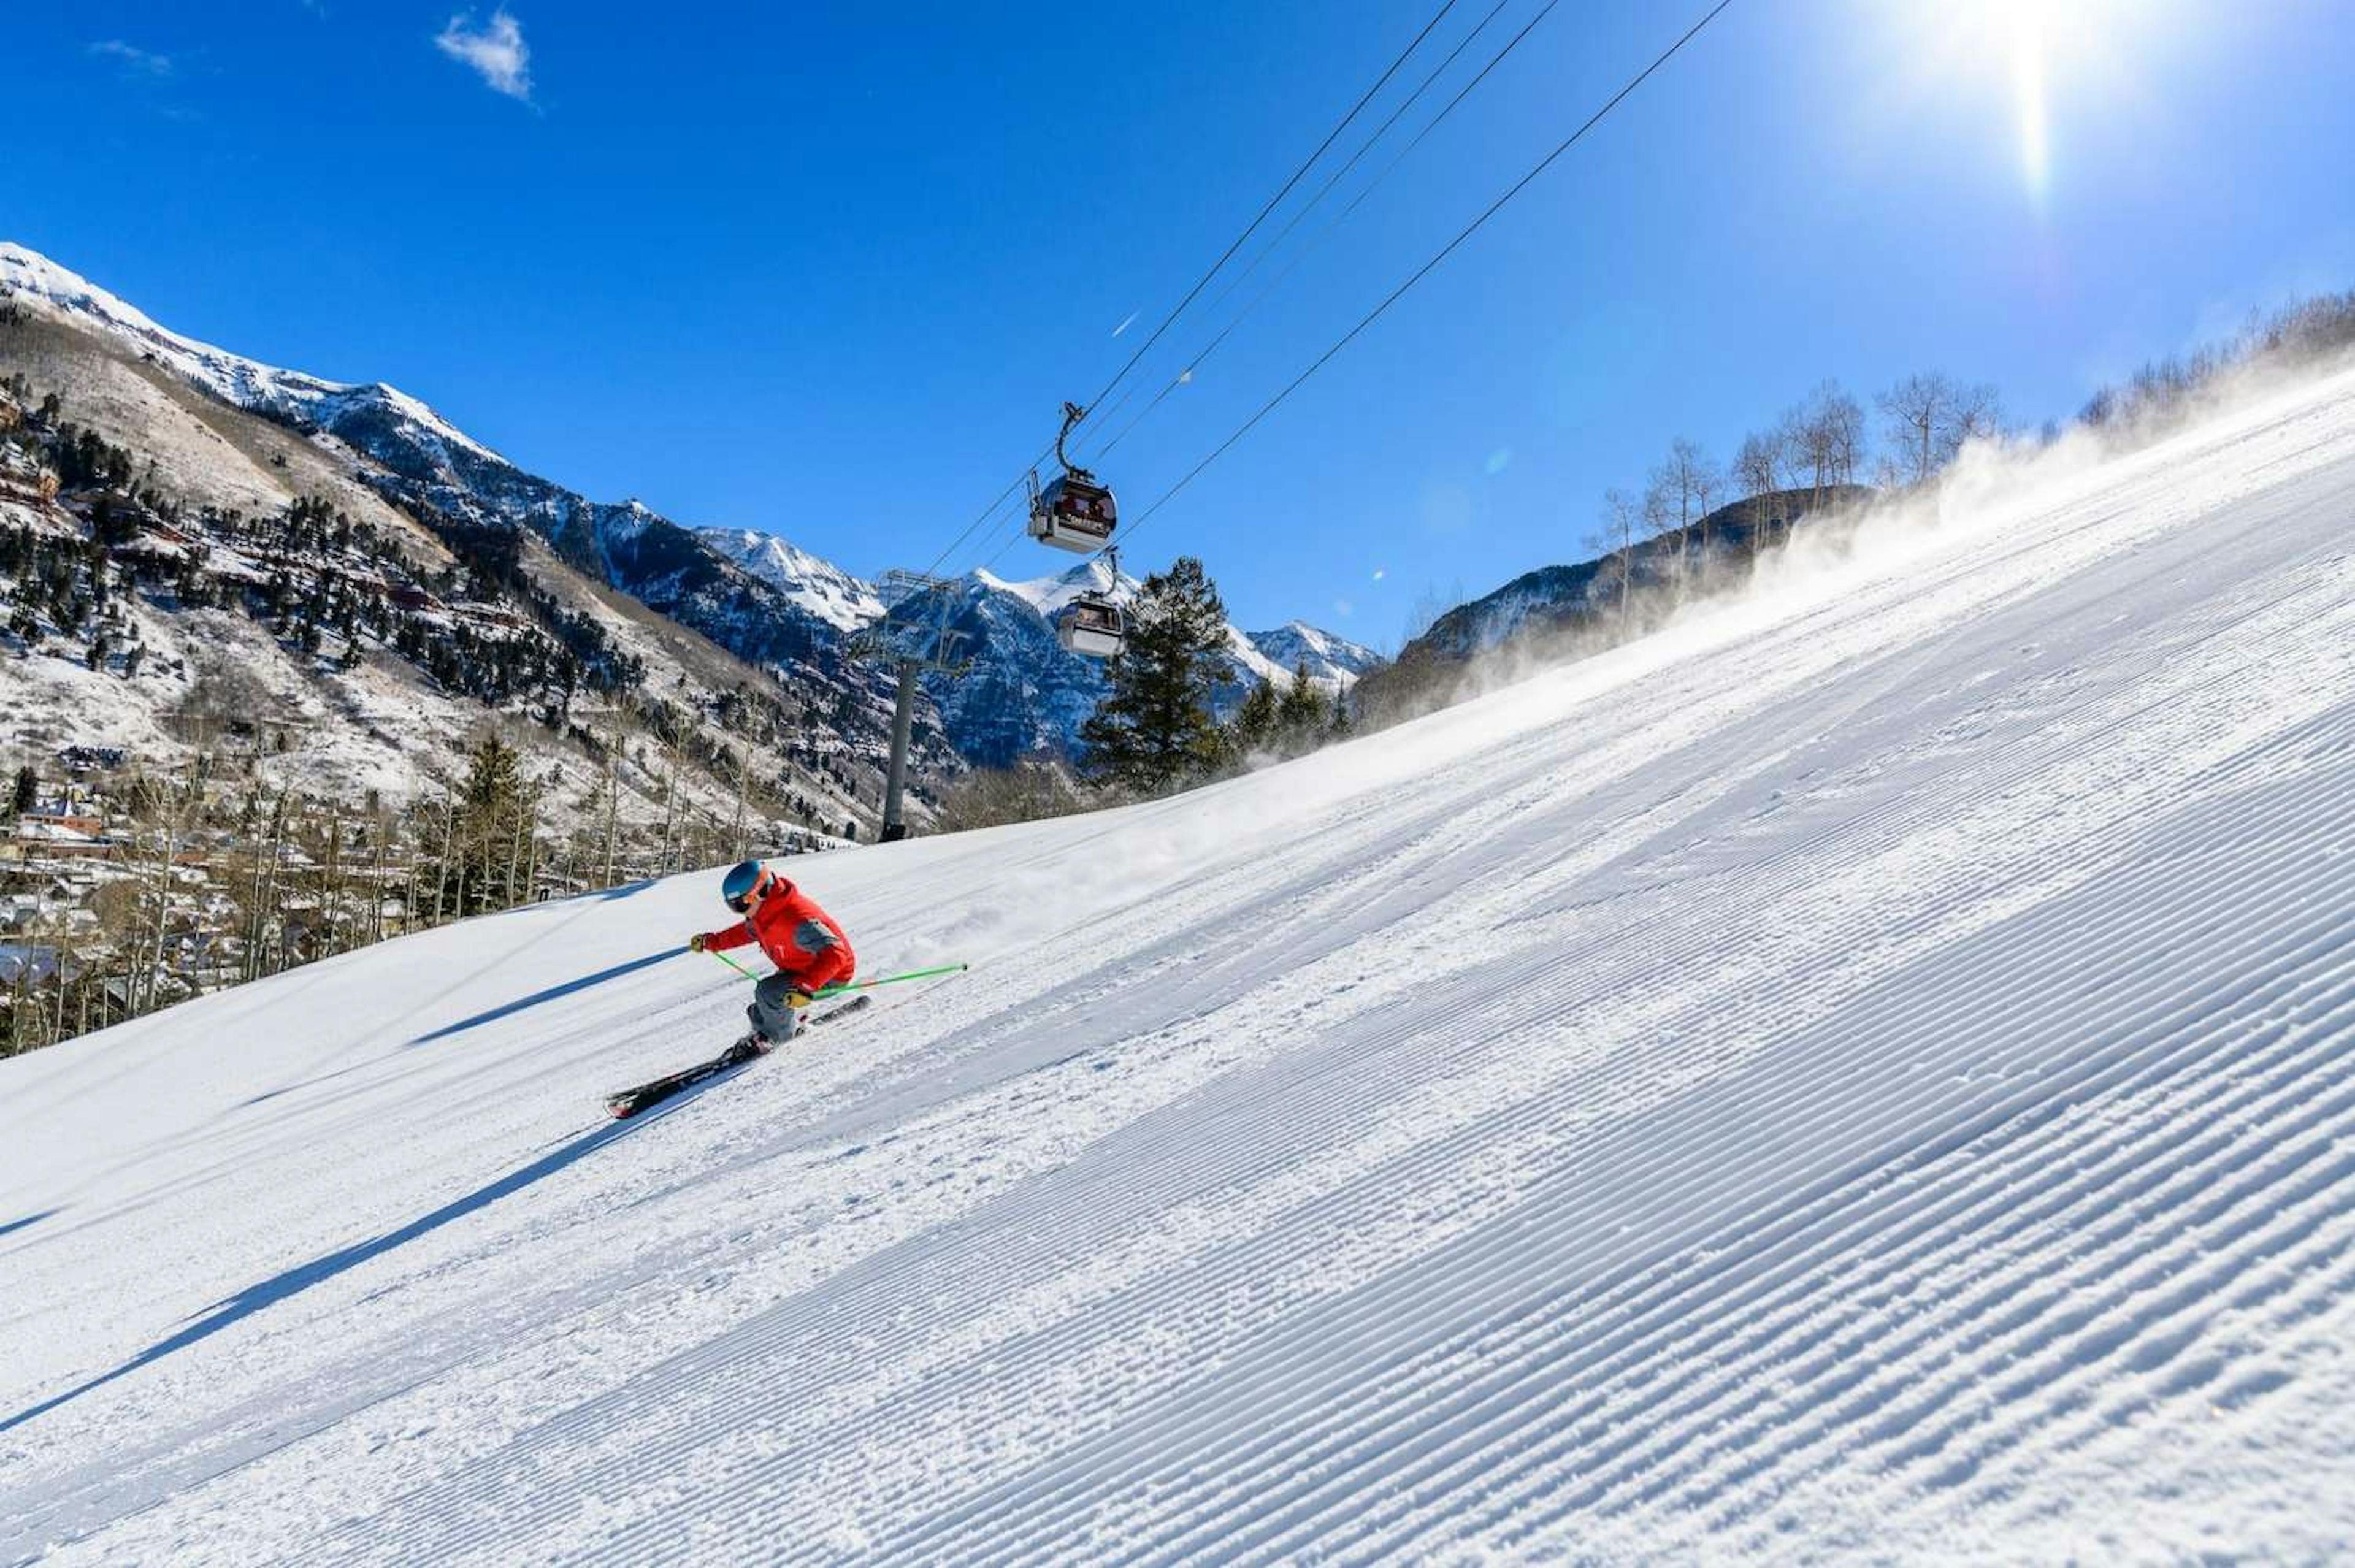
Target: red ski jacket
{"x":800,"y":938}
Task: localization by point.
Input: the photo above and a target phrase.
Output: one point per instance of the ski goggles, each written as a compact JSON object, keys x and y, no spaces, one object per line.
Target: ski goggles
{"x":744,"y":903}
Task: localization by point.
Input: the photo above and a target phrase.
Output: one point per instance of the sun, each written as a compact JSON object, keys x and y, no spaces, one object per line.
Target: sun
{"x":2027,"y":23}
{"x":2031,"y":56}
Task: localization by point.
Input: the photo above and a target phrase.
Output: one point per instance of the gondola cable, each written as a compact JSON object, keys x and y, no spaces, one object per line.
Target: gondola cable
{"x":1425,"y":271}
{"x":1318,"y":238}
{"x":1343,"y":123}
{"x":1272,"y":203}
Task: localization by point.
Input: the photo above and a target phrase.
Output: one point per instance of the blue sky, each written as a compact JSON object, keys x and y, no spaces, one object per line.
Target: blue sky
{"x":829,"y":271}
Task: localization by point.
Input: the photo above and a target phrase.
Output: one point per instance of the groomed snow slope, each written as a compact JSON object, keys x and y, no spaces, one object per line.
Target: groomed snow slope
{"x":1871,"y":1069}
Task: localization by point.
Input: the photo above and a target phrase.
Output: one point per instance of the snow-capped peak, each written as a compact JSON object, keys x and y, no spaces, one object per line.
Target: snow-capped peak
{"x":232,"y":378}
{"x":1334,"y":663}
{"x":31,"y":273}
{"x":419,"y":412}
{"x":818,"y":586}
{"x":1048,"y":595}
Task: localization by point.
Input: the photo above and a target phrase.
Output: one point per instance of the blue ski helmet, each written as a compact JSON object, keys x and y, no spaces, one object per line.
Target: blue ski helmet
{"x":741,"y":881}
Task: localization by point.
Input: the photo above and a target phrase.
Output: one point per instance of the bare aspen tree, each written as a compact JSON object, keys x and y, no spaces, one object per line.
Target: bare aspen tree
{"x":1622,"y":517}
{"x":273,"y":915}
{"x":1686,"y":482}
{"x":449,"y":838}
{"x":612,"y":794}
{"x":741,"y":760}
{"x":1929,"y":418}
{"x":331,"y":877}
{"x":379,"y":833}
{"x":169,"y":807}
{"x":1758,"y":469}
{"x":1804,"y":461}
{"x":1708,"y":483}
{"x":519,"y":836}
{"x":1919,"y":410}
{"x":1843,"y":421}
{"x":1659,"y":521}
{"x":250,"y":968}
{"x":1978,"y":415}
{"x":20,"y":1001}
{"x":1827,"y":437}
{"x":59,"y":934}
{"x":1429,"y":606}
{"x":667,"y":725}
{"x":411,"y":894}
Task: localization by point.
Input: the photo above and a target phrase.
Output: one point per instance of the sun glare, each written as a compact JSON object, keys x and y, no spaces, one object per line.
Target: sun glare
{"x":2027,"y":27}
{"x":2042,"y":61}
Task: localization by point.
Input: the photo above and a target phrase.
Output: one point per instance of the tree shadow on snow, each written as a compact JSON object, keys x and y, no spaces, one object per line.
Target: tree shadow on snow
{"x":293,"y":1281}
{"x":507,"y":1009}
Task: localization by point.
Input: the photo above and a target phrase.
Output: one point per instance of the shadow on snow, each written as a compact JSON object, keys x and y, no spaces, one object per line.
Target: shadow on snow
{"x":522,"y":1004}
{"x":9,"y":1225}
{"x":293,"y":1281}
{"x":505,"y":1010}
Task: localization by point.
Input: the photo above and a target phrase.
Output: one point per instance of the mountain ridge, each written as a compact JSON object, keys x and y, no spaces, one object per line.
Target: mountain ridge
{"x":754,"y":593}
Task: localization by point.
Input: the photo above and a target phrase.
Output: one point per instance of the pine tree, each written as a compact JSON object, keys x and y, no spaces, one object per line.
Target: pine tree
{"x":1303,"y":716}
{"x":28,"y":789}
{"x":1153,"y":730}
{"x":491,"y":817}
{"x":1254,"y":726}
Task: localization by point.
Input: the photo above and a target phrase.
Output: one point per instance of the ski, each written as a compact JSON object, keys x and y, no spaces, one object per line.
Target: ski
{"x":630,"y":1102}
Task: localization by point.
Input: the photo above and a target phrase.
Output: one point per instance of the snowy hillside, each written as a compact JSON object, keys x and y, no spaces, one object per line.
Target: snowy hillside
{"x":1867,"y":1072}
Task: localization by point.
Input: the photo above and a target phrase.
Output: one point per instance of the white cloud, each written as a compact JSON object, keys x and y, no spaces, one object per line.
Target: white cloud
{"x":133,"y":62}
{"x":495,"y":50}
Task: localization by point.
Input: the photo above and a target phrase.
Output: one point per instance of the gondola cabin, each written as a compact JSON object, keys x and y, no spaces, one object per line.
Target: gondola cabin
{"x":1093,"y":625}
{"x":1074,"y":512}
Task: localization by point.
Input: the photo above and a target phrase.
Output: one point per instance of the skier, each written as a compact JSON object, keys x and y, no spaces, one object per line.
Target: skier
{"x":808,"y":949}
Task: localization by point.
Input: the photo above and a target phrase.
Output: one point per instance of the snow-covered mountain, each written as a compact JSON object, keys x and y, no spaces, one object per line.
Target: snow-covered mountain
{"x":289,"y":395}
{"x":445,"y":528}
{"x":1883,"y":1090}
{"x":1024,"y":695}
{"x":818,"y":587}
{"x":755,"y":594}
{"x":1334,"y":663}
{"x":417,"y":456}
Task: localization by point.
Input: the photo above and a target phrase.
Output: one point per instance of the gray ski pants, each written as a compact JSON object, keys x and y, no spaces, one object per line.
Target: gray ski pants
{"x":769,"y":1013}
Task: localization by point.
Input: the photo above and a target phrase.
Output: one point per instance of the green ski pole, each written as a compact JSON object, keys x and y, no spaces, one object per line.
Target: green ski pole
{"x":855,"y":985}
{"x":731,"y":964}
{"x":895,"y":979}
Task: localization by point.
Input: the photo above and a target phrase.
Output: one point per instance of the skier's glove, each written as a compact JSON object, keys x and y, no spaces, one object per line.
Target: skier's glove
{"x":798,"y":999}
{"x":696,"y":943}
